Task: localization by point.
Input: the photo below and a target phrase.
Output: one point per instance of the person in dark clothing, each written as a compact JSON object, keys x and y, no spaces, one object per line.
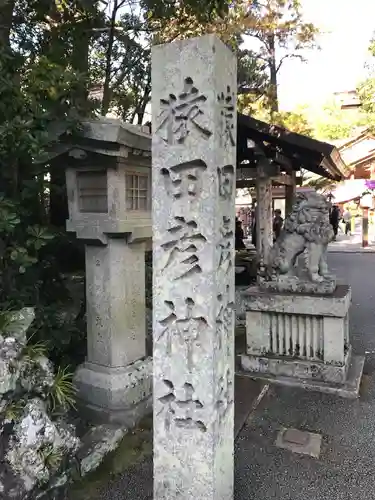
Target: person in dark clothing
{"x":334,"y":219}
{"x":253,"y":229}
{"x":277,"y":225}
{"x":239,"y":236}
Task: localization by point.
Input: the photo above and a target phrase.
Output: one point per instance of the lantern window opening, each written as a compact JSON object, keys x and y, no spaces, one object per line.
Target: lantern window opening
{"x":92,"y":191}
{"x":137,"y":190}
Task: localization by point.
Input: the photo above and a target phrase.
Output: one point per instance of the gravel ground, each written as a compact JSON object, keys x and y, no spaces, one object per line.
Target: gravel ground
{"x":346,"y":465}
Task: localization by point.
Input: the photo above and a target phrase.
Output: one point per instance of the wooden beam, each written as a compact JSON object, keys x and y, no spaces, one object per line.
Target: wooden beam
{"x":284,"y":179}
{"x":284,"y":161}
{"x":245,"y":183}
{"x":268,"y":170}
{"x":245,"y":173}
{"x":281,"y":160}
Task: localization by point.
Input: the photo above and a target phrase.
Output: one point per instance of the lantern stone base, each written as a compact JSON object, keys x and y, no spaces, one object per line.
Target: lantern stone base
{"x":301,"y":340}
{"x":121,"y":395}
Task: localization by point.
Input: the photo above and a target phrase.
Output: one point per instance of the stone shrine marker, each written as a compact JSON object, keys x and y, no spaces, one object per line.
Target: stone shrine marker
{"x":194,"y":173}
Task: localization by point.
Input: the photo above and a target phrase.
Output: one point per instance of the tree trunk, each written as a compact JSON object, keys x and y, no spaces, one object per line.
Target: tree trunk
{"x":6,"y":17}
{"x":80,"y":60}
{"x":274,"y":99}
{"x":145,"y":99}
{"x":108,"y":64}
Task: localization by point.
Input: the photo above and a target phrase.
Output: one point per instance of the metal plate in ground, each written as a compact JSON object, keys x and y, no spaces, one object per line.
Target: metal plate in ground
{"x":298,"y":441}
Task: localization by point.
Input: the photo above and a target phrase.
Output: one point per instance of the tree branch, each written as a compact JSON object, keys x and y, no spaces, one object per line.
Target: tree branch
{"x":244,"y":90}
{"x":289,"y":56}
{"x":260,"y":37}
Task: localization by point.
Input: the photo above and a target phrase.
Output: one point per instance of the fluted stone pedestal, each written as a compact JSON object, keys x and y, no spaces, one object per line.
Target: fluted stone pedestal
{"x":302,"y":340}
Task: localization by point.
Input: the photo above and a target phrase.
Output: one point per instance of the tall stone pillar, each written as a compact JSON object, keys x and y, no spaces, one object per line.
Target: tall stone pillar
{"x":194,"y":173}
{"x":263,"y":215}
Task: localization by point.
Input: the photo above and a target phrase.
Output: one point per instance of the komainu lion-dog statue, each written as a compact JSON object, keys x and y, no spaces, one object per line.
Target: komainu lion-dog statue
{"x":306,"y":230}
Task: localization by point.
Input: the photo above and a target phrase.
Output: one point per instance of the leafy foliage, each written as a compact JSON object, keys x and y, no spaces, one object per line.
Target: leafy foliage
{"x":51,"y":456}
{"x":41,"y":90}
{"x":62,"y":393}
{"x":281,"y":33}
{"x":33,"y":97}
{"x":320,"y":184}
{"x":294,"y":121}
{"x":32,"y":373}
{"x":13,"y":410}
{"x":204,"y":12}
{"x":335,"y":123}
{"x":366,"y":89}
{"x":63,"y":333}
{"x":38,"y":442}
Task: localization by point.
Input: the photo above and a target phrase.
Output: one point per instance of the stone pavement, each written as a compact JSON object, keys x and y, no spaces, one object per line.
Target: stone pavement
{"x":346,"y":464}
{"x":353,"y":243}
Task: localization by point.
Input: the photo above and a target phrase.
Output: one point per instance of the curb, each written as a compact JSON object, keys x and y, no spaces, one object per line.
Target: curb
{"x":349,"y":250}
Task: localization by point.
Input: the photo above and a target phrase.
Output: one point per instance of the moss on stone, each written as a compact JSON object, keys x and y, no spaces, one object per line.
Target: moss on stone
{"x":135,"y":446}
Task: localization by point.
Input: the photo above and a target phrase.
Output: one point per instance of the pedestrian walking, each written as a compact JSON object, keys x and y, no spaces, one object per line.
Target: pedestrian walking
{"x":239,"y":236}
{"x":347,"y":218}
{"x":253,"y":228}
{"x":277,"y":225}
{"x":334,"y":219}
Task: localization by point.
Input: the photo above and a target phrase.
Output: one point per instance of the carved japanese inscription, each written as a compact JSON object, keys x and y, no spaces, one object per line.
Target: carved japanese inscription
{"x":225,"y":245}
{"x":226,"y":101}
{"x":186,"y":328}
{"x":224,"y":319}
{"x":184,"y":180}
{"x":226,"y":182}
{"x":181,"y":115}
{"x":225,"y":394}
{"x":184,"y":241}
{"x":194,"y":182}
{"x":181,"y":405}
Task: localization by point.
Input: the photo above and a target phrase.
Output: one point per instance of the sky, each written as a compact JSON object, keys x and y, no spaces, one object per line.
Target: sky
{"x":348,"y":26}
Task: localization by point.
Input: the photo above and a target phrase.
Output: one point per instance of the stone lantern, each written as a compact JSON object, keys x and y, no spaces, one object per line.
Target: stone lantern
{"x":109,"y":183}
{"x":108,"y":173}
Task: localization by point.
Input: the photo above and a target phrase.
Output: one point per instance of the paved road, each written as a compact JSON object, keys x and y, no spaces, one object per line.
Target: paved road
{"x":359,"y":271}
{"x":345,"y":469}
{"x":353,"y":242}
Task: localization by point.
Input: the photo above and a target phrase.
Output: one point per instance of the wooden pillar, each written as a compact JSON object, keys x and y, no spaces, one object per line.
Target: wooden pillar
{"x":263,"y":215}
{"x":365,"y":227}
{"x":290,"y":194}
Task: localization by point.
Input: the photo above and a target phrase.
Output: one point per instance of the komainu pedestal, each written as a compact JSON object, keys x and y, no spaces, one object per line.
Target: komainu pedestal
{"x":297,"y":319}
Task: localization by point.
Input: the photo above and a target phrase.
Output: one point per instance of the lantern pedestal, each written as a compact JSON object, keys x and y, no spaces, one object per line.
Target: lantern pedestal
{"x":116,"y":331}
{"x":109,"y":197}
